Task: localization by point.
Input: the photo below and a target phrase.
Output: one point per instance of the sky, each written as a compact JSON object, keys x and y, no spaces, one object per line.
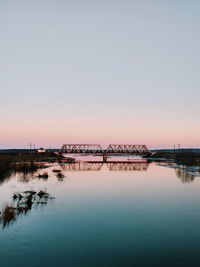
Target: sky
{"x":109,"y":71}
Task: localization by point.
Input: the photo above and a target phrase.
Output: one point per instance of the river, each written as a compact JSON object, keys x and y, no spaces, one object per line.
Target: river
{"x":114,"y":214}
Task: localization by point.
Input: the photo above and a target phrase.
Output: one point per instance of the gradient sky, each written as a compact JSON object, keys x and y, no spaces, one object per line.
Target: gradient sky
{"x":104,"y":71}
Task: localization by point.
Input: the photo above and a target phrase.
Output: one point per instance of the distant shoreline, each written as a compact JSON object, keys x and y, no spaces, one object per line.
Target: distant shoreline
{"x":24,"y":150}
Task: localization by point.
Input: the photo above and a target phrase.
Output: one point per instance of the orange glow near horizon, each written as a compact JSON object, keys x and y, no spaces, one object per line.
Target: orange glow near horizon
{"x":53,"y":131}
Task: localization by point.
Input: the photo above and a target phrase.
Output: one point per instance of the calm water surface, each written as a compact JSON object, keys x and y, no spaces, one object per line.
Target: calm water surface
{"x":105,"y":215}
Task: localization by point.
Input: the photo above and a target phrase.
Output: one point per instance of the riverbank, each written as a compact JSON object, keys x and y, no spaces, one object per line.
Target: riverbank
{"x":32,"y":156}
{"x":27,"y":162}
{"x":185,"y":157}
{"x":186,"y":161}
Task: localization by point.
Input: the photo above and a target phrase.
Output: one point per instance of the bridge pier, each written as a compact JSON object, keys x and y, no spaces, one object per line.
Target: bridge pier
{"x":105,"y":157}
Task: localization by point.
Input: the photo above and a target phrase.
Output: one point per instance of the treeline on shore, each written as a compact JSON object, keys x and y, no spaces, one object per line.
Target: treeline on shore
{"x":182,"y":156}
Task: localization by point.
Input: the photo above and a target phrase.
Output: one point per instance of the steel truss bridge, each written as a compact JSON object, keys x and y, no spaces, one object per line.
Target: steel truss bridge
{"x":113,"y":149}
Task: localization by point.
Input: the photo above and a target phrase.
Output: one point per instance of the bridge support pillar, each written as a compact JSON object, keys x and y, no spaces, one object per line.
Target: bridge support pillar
{"x":105,"y":156}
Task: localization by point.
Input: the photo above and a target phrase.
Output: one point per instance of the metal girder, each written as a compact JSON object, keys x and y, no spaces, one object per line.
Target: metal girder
{"x":127,"y":149}
{"x":111,"y":149}
{"x":81,"y":148}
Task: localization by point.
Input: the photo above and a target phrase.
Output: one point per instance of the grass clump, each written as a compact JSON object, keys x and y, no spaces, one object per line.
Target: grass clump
{"x":22,"y":203}
{"x":44,"y":175}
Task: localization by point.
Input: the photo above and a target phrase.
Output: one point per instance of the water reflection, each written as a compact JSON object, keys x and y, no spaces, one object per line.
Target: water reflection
{"x":119,"y":166}
{"x":22,"y":204}
{"x":26,"y":169}
{"x":5,"y":171}
{"x":101,"y":214}
{"x":184,"y":176}
{"x":114,"y":166}
{"x":27,"y":176}
{"x":185,"y":173}
{"x":60,"y":176}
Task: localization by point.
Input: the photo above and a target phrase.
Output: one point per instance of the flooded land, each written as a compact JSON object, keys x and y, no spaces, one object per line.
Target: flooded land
{"x":59,"y":212}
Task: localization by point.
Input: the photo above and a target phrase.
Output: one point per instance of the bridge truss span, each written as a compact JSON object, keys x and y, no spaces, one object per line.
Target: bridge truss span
{"x":112,"y":149}
{"x":81,"y":149}
{"x":127,"y":149}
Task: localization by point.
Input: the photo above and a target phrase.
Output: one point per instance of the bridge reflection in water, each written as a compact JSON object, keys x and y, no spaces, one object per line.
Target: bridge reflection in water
{"x":112,"y":166}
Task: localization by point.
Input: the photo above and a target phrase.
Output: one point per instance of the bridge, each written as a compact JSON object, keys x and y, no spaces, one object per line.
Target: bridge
{"x":112,"y":149}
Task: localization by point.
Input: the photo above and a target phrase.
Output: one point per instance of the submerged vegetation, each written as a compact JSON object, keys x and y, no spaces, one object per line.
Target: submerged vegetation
{"x":44,"y":175}
{"x":56,"y":170}
{"x":22,"y":203}
{"x":25,"y":165}
{"x":60,"y":176}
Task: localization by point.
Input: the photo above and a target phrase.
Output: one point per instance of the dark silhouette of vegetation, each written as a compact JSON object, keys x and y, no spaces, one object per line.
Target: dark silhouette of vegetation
{"x":22,"y":203}
{"x":27,"y":163}
{"x":26,"y":166}
{"x":16,"y":163}
{"x":60,"y":176}
{"x":44,"y":175}
{"x":56,"y":170}
{"x":5,"y":170}
{"x":186,"y":157}
{"x":8,"y":215}
{"x":8,"y":168}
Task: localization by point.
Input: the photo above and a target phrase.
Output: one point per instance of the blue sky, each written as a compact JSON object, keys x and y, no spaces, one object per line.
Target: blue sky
{"x":99,"y":71}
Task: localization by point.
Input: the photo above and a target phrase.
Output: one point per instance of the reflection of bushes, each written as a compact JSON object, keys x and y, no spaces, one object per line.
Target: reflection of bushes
{"x":25,"y":169}
{"x":24,"y":163}
{"x":60,"y":176}
{"x":26,"y":166}
{"x":5,"y":170}
{"x":23,"y":202}
{"x":8,"y":215}
{"x":184,"y":176}
{"x":8,"y":166}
